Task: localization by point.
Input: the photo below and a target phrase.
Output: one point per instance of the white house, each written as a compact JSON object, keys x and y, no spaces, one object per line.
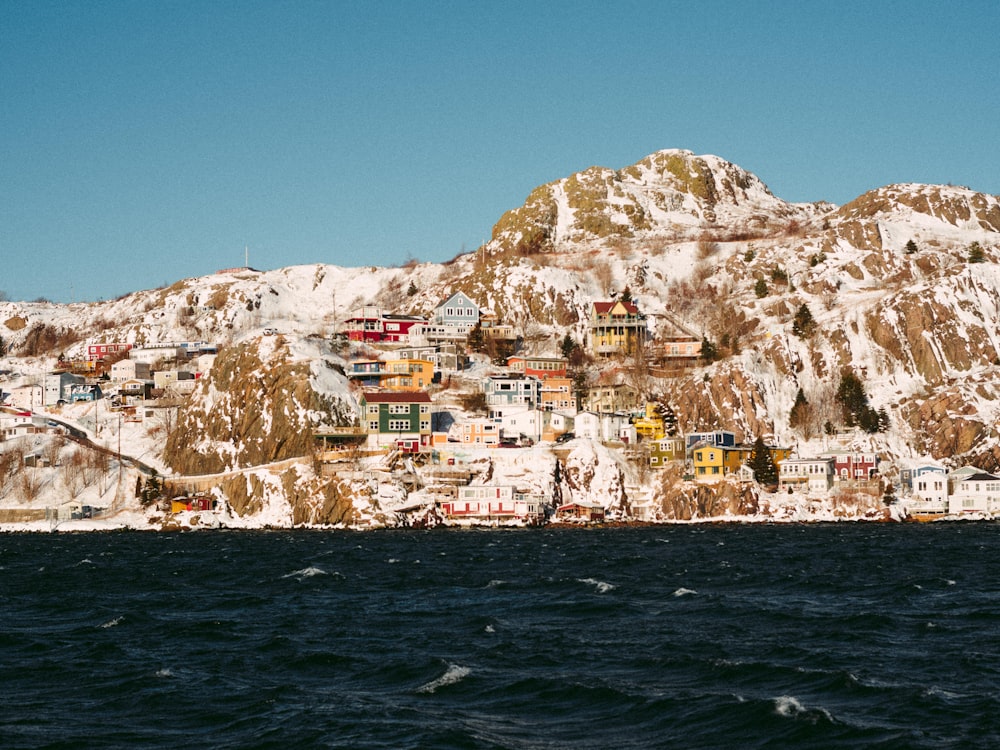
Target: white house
{"x":129,"y":369}
{"x":31,"y":396}
{"x":57,"y":386}
{"x":929,"y":486}
{"x":153,"y":354}
{"x":975,"y":493}
{"x":810,"y":474}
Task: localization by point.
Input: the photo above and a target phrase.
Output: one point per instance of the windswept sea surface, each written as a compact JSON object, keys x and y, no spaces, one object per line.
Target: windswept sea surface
{"x":851,"y":635}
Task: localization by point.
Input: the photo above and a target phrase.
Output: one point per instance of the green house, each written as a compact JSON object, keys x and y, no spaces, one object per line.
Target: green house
{"x":401,"y":420}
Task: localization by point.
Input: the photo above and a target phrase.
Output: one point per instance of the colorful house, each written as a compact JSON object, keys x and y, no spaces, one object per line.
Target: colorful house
{"x":493,"y":504}
{"x":557,"y":394}
{"x":401,"y":420}
{"x":852,"y":465}
{"x":713,"y":462}
{"x":509,"y":390}
{"x":104,"y":351}
{"x":538,"y":367}
{"x":666,"y":450}
{"x":477,"y":431}
{"x":458,"y":310}
{"x":650,"y":426}
{"x":371,"y":325}
{"x":616,"y":328}
{"x":581,"y":511}
{"x":407,"y":374}
{"x":611,"y":398}
{"x":720,"y":438}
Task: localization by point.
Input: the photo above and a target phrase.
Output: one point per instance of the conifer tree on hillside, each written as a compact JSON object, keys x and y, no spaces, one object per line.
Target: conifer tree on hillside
{"x":709,"y":352}
{"x":669,"y":420}
{"x":976,"y":254}
{"x":800,"y":411}
{"x":911,"y":247}
{"x":765,"y":471}
{"x":475,"y":340}
{"x":854,"y":404}
{"x":760,"y":289}
{"x":803,"y":324}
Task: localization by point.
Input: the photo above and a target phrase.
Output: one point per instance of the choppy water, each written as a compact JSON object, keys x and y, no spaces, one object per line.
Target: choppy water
{"x":714,"y":637}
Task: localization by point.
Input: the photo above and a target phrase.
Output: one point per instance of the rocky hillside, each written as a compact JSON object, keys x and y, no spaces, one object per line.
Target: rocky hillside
{"x":701,"y":244}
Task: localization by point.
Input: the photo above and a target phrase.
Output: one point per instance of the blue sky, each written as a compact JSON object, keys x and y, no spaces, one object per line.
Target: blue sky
{"x":145,"y":142}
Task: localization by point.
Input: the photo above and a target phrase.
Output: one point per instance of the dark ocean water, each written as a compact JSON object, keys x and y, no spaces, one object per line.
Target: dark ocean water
{"x":715,"y":637}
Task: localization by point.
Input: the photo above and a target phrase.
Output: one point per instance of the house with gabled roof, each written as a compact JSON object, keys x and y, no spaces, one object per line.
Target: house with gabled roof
{"x":458,"y":309}
{"x":616,"y":328}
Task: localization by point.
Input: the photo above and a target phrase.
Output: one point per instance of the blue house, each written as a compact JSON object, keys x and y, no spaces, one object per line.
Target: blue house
{"x":716,"y":439}
{"x":459,"y":310}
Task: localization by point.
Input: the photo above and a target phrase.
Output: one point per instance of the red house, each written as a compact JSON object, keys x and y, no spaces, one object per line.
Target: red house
{"x":539,"y":367}
{"x":102,"y":351}
{"x":371,"y":325}
{"x":849,"y":465}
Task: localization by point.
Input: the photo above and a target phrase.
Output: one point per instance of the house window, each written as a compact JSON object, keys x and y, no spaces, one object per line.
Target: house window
{"x":399,"y":425}
{"x":373,"y":426}
{"x":373,"y":408}
{"x":399,"y":409}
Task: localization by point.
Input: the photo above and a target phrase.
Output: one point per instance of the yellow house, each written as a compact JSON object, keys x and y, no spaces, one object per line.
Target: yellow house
{"x":650,"y":425}
{"x":712,"y":463}
{"x":616,"y":328}
{"x":407,"y":374}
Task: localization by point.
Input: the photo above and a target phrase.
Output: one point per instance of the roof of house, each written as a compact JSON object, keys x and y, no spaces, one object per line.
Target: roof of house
{"x":602,"y":308}
{"x":387,"y":397}
{"x":981,"y":477}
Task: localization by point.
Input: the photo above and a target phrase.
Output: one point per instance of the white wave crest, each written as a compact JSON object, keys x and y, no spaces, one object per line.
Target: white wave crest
{"x":495,"y":582}
{"x":685,"y":592}
{"x":453,"y":674}
{"x":164,"y":673}
{"x":112,"y":623}
{"x":789,"y":706}
{"x":490,"y":629}
{"x":306,"y":573}
{"x":601,"y":586}
{"x":85,"y":561}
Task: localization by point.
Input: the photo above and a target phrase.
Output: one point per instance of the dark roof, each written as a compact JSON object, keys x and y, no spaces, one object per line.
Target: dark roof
{"x":386,"y":397}
{"x":981,"y":477}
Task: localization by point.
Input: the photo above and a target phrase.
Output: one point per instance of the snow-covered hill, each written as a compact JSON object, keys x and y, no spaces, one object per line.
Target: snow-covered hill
{"x":699,"y":243}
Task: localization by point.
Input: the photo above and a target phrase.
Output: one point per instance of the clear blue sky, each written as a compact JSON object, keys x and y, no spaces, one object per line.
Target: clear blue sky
{"x":145,"y":142}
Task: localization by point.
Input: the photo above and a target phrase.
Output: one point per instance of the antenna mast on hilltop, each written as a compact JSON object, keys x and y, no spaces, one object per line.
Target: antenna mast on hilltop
{"x":246,"y":256}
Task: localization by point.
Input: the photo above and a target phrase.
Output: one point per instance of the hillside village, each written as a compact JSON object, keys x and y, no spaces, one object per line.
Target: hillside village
{"x":735,"y":358}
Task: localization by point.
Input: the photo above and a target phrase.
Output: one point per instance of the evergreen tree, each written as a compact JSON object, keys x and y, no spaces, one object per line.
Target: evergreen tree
{"x":800,"y":410}
{"x":853,"y":400}
{"x":476,"y":341}
{"x":883,"y":420}
{"x":760,"y":289}
{"x":669,"y":420}
{"x":868,"y":420}
{"x":567,"y":346}
{"x":411,"y":290}
{"x":911,"y":247}
{"x":626,"y":295}
{"x":709,"y":352}
{"x":765,"y":471}
{"x":803,"y":324}
{"x":976,"y":254}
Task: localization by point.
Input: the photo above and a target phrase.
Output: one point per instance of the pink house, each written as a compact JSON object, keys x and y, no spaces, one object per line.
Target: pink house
{"x":101,"y":351}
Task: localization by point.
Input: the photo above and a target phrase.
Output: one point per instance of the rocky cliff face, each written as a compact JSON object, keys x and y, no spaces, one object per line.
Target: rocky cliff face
{"x":257,"y":405}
